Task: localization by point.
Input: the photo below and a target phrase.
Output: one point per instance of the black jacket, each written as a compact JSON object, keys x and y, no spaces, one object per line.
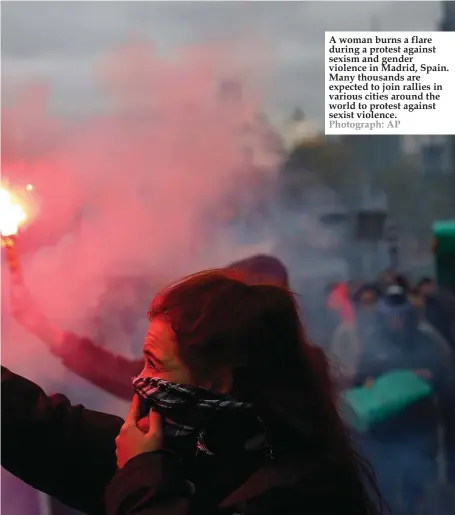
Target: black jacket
{"x":69,"y":452}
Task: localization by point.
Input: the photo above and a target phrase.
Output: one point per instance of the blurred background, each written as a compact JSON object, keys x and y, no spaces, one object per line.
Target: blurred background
{"x":147,"y":140}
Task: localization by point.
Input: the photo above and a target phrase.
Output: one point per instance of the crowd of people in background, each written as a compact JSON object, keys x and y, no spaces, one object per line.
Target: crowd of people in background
{"x":362,"y":319}
{"x":370,"y":329}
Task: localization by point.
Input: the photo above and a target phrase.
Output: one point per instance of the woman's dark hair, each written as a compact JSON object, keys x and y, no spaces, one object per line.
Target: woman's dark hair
{"x":254,"y":330}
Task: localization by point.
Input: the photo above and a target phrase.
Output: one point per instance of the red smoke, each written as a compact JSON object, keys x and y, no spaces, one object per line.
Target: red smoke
{"x":126,"y":189}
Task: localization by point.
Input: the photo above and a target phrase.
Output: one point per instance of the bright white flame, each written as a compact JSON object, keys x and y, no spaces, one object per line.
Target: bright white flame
{"x":11,"y":214}
{"x":29,"y":187}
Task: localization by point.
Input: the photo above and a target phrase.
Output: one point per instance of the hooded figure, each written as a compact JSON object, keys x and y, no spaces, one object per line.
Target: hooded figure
{"x":262,"y":268}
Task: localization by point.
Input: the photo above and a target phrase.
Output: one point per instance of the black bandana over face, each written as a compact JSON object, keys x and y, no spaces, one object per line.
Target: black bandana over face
{"x":221,"y":423}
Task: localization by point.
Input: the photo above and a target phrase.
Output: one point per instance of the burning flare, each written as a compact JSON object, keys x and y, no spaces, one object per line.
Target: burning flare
{"x":12,"y":215}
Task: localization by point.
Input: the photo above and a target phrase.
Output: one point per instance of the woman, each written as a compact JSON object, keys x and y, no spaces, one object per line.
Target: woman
{"x":241,"y":393}
{"x":249,"y":422}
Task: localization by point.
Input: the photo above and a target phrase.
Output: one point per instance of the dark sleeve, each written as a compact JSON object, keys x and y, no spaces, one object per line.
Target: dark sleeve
{"x":65,"y":451}
{"x":152,"y":483}
{"x":97,"y":365}
{"x":283,"y":501}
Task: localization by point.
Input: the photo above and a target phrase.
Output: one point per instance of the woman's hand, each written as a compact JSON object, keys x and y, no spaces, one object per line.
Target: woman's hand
{"x":132,"y":441}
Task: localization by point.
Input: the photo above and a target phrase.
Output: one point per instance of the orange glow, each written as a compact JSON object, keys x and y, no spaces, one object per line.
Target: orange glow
{"x":12,"y":214}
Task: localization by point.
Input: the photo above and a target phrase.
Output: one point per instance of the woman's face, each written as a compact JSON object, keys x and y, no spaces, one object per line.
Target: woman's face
{"x":161,"y":356}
